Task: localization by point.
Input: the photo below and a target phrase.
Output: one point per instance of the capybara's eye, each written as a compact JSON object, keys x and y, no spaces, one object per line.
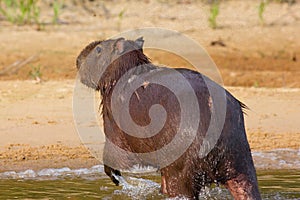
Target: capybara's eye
{"x":98,"y":49}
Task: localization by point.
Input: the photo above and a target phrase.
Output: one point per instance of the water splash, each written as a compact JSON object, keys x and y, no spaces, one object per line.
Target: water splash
{"x":141,"y":169}
{"x":214,"y":193}
{"x":52,"y":173}
{"x":278,"y":184}
{"x":274,"y":159}
{"x":138,"y":188}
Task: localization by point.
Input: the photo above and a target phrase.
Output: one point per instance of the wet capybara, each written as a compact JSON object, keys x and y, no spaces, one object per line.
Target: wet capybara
{"x":102,"y":65}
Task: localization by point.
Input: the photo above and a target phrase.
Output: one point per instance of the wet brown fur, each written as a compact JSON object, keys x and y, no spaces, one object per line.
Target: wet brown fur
{"x":83,"y":54}
{"x":119,"y":67}
{"x":229,"y":162}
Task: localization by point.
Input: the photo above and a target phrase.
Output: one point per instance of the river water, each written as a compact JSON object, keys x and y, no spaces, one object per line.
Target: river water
{"x":282,"y":182}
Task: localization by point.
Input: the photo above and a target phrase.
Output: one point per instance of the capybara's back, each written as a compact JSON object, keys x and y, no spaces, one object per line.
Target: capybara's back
{"x":177,"y":120}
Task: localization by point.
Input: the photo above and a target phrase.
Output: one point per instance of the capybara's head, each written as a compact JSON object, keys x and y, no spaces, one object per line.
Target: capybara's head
{"x":98,"y":56}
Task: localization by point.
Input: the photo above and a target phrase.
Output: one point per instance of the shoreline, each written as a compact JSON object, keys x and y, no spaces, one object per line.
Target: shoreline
{"x":35,"y":136}
{"x":25,"y":157}
{"x":276,"y":159}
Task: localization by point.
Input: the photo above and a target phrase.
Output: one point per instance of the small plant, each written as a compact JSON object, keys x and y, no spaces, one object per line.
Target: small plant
{"x":20,"y":11}
{"x":120,"y":18}
{"x":7,"y":8}
{"x":36,"y":73}
{"x":256,"y":84}
{"x":261,"y":10}
{"x":57,"y":5}
{"x":214,"y":12}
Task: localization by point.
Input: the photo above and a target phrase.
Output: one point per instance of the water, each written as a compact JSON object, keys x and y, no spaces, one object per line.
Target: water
{"x":281,"y":183}
{"x":93,"y":184}
{"x":277,"y":159}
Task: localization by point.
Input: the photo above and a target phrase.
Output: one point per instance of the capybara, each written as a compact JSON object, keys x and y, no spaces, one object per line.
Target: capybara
{"x":103,"y":64}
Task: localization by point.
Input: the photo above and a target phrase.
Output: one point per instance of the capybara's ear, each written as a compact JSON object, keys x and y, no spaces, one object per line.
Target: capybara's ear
{"x":120,"y":46}
{"x":139,"y":42}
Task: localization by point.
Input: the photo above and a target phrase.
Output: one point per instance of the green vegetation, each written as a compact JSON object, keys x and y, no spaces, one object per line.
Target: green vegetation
{"x":35,"y":72}
{"x":120,"y":18}
{"x":261,"y":10}
{"x":27,"y":11}
{"x":20,"y":11}
{"x":214,"y":12}
{"x":57,"y":5}
{"x":256,"y":84}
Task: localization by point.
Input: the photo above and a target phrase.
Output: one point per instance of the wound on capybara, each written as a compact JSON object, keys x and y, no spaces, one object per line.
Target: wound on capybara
{"x":102,"y":64}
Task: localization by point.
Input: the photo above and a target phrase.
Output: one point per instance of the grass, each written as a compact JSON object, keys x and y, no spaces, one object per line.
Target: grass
{"x":20,"y":11}
{"x":214,"y":12}
{"x":35,"y":72}
{"x":261,"y":10}
{"x":120,"y":18}
{"x":256,"y":84}
{"x":57,"y":5}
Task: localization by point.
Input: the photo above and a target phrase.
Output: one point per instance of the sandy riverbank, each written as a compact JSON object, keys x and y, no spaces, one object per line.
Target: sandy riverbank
{"x":38,"y":131}
{"x":36,"y":121}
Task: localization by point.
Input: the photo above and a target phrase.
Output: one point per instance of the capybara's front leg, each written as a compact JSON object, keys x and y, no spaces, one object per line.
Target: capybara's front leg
{"x":177,"y":184}
{"x":163,"y":185}
{"x":242,"y":188}
{"x":111,"y":172}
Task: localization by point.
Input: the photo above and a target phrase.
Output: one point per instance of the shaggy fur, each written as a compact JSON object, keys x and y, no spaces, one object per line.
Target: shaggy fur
{"x":229,"y":162}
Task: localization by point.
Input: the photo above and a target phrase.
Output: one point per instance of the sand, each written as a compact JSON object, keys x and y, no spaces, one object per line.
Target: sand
{"x":259,"y":65}
{"x":38,"y":130}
